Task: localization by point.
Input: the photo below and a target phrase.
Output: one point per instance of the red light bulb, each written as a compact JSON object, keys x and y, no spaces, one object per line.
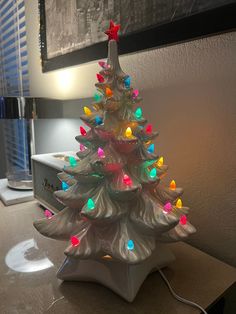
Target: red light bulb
{"x":82,"y":131}
{"x":183,"y":220}
{"x":100,"y":78}
{"x":149,"y":128}
{"x":74,"y":241}
{"x":127,"y":180}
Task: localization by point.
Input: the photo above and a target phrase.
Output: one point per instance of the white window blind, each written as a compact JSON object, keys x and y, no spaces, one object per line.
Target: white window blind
{"x":16,"y":144}
{"x":14,"y":79}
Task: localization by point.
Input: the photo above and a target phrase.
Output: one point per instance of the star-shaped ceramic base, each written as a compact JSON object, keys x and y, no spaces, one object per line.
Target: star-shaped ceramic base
{"x":124,"y":279}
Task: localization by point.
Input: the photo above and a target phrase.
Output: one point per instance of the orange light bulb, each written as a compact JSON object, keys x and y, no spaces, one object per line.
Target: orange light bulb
{"x":109,"y":92}
{"x":87,"y":111}
{"x":128,"y":132}
{"x":172,"y":185}
{"x":107,"y":257}
{"x":179,"y":203}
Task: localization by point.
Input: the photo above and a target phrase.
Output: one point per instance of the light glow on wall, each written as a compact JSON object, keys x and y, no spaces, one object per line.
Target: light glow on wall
{"x":65,"y":81}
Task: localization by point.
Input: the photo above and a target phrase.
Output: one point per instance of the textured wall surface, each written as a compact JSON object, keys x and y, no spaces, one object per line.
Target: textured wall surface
{"x":198,"y":141}
{"x":189,"y":95}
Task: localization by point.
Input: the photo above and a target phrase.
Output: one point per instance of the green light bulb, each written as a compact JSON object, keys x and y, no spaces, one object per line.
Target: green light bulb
{"x":138,"y":113}
{"x":153,"y":173}
{"x":72,"y":161}
{"x":97,"y":97}
{"x":90,"y":204}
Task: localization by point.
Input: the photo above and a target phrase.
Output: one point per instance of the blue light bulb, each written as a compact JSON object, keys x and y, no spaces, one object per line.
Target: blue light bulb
{"x":127,"y":81}
{"x":98,"y":120}
{"x":130,"y":245}
{"x":64,"y":186}
{"x":151,"y":148}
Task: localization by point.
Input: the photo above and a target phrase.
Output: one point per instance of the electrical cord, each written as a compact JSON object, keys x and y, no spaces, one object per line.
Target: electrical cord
{"x":179,"y":298}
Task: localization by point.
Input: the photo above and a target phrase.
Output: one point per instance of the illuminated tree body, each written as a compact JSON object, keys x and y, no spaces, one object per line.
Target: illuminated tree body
{"x":117,"y":213}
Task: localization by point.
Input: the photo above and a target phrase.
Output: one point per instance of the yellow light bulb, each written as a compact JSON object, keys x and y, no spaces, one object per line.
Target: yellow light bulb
{"x":172,"y":185}
{"x":128,"y":132}
{"x":160,"y":162}
{"x":179,"y":203}
{"x":87,"y":111}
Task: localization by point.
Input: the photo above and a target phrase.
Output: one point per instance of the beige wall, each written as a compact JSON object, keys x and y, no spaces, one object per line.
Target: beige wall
{"x":189,"y":95}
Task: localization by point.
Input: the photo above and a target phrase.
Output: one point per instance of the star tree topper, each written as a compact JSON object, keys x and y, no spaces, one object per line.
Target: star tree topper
{"x":112,"y":31}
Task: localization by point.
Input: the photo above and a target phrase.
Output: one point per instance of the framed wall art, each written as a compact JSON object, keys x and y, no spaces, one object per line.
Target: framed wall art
{"x":72,"y":31}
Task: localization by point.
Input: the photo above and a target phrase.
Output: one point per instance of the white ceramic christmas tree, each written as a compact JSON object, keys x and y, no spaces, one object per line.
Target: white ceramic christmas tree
{"x":117,"y":213}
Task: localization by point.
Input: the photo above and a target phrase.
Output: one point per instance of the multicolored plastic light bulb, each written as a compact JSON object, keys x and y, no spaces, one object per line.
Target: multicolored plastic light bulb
{"x":82,"y":147}
{"x":130,"y":245}
{"x":72,"y":161}
{"x":160,"y":162}
{"x":183,"y":220}
{"x":148,"y":143}
{"x":128,"y":132}
{"x":167,"y":208}
{"x":172,"y":185}
{"x":149,"y":128}
{"x":74,"y":241}
{"x":153,"y":173}
{"x":151,"y":149}
{"x":135,"y":93}
{"x":127,"y":81}
{"x":101,"y":63}
{"x":109,"y":92}
{"x":64,"y":186}
{"x":48,"y":214}
{"x":107,"y":257}
{"x":82,"y":131}
{"x":100,"y":78}
{"x":127,"y":180}
{"x":138,"y":113}
{"x":97,"y":97}
{"x":101,"y":153}
{"x":104,"y":65}
{"x":90,"y":204}
{"x":179,"y":203}
{"x":98,"y":120}
{"x":87,"y":111}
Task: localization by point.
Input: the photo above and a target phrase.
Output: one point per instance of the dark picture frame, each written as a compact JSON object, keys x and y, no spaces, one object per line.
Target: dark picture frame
{"x":207,"y":23}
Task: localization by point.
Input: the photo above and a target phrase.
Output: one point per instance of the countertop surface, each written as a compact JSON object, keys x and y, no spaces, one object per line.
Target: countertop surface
{"x":29,"y":262}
